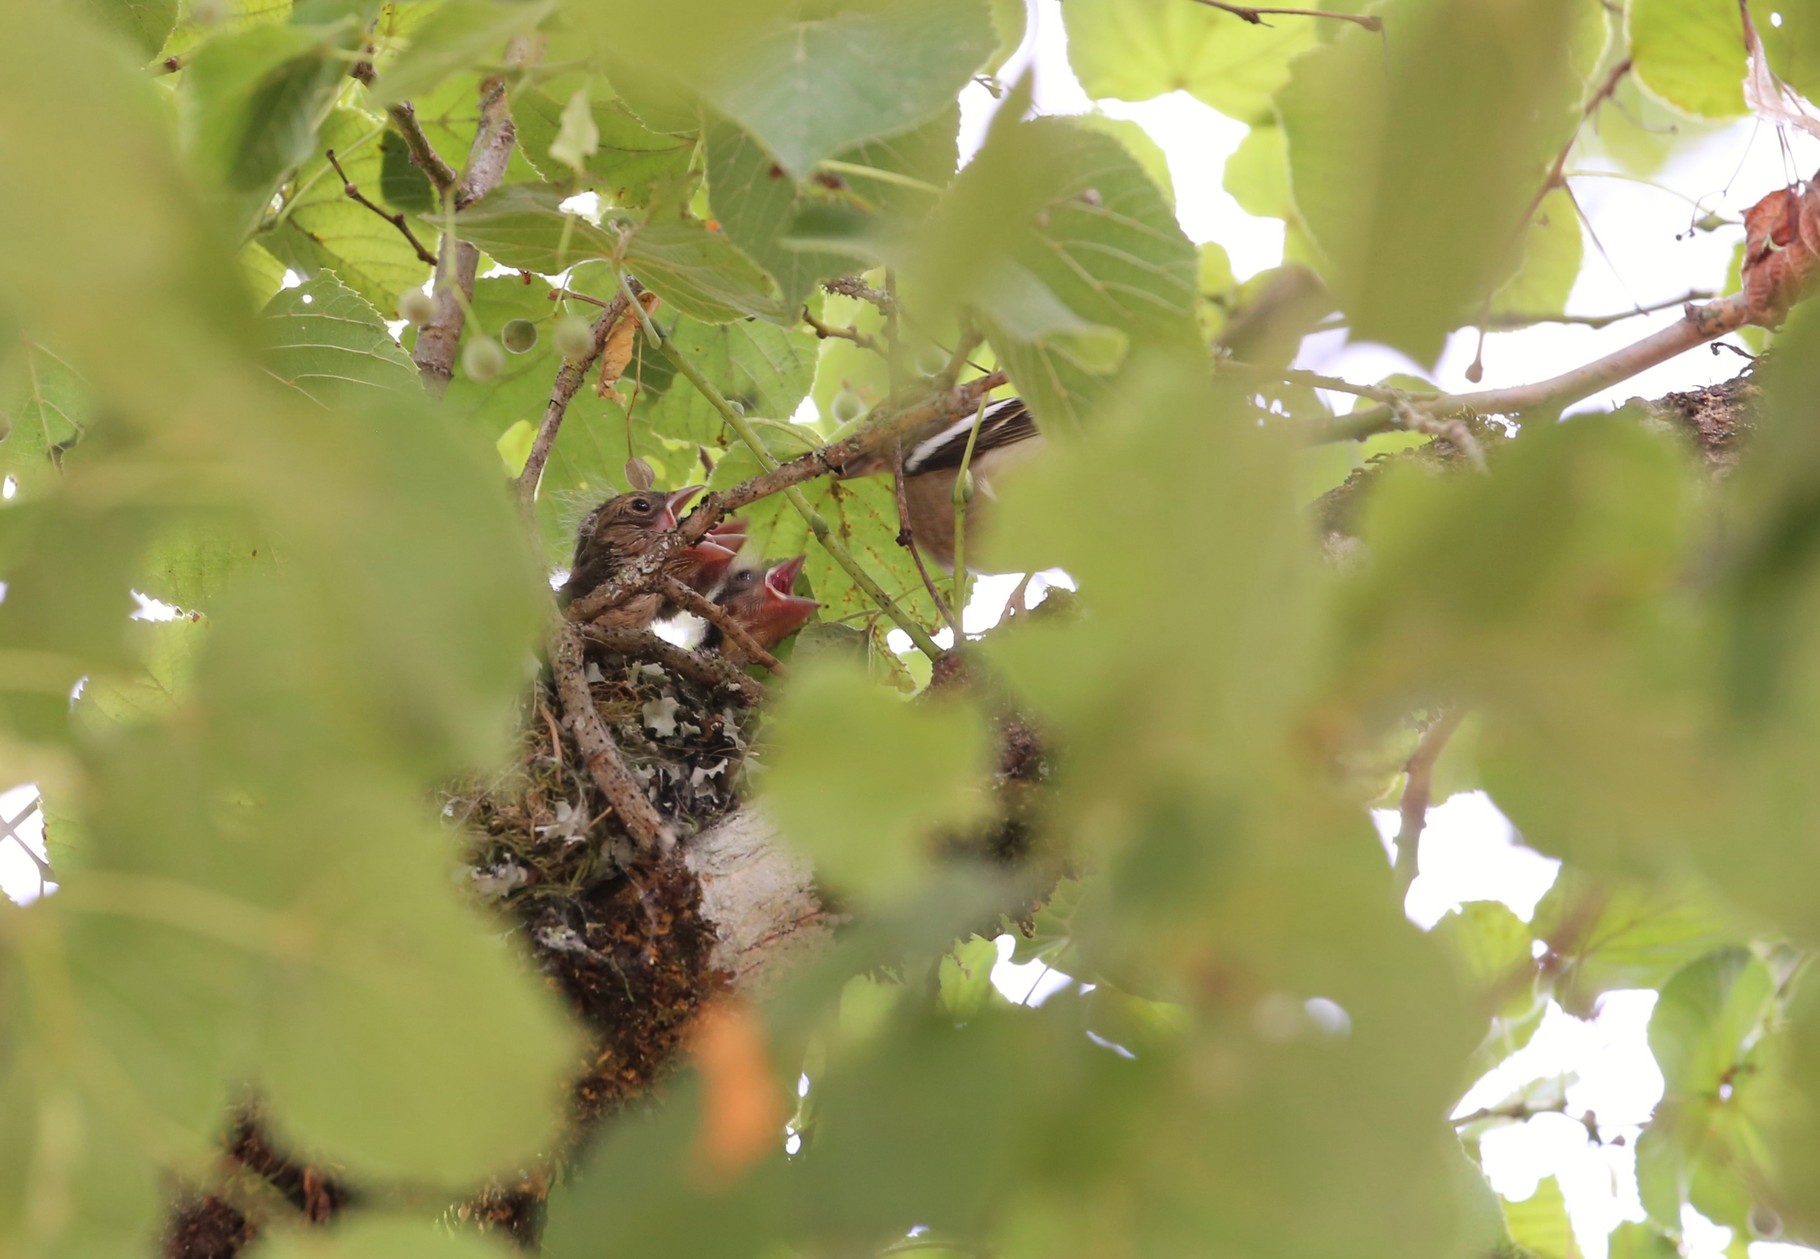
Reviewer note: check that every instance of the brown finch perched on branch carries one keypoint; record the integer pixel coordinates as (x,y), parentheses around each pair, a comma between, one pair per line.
(759,599)
(1007,437)
(619,531)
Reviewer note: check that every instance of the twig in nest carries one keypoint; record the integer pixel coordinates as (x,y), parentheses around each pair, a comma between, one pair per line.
(708,670)
(643,823)
(396,220)
(1451,429)
(716,615)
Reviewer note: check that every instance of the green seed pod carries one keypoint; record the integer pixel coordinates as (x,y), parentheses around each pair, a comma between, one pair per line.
(482,359)
(519,335)
(847,406)
(573,338)
(416,306)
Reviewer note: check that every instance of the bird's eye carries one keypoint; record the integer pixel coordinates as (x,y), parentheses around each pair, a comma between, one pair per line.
(641,504)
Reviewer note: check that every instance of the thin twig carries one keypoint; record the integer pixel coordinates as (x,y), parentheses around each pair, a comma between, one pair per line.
(396,220)
(637,814)
(1418,790)
(824,533)
(582,297)
(1700,324)
(1511,319)
(639,644)
(569,378)
(864,340)
(906,538)
(876,436)
(1256,16)
(718,617)
(1296,376)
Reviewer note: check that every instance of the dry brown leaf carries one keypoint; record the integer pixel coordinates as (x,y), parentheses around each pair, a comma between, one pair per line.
(1767,95)
(742,1112)
(617,352)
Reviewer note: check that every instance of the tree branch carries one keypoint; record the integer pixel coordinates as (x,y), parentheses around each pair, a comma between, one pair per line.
(646,827)
(438,339)
(1700,324)
(396,220)
(569,378)
(1418,790)
(422,153)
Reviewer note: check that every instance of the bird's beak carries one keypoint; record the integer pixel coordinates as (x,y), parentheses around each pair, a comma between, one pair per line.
(781,578)
(782,608)
(730,533)
(711,560)
(675,501)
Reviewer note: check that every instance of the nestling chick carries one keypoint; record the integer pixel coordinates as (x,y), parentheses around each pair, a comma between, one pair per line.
(759,599)
(615,534)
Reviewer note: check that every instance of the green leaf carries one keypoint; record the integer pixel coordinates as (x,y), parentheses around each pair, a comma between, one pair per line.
(458,33)
(965,977)
(763,369)
(252,101)
(759,206)
(1493,948)
(1602,938)
(1133,50)
(1397,185)
(150,692)
(45,410)
(327,341)
(1257,173)
(1690,54)
(630,162)
(370,1236)
(524,226)
(1539,1223)
(1552,254)
(146,23)
(698,271)
(411,1045)
(321,229)
(402,183)
(578,138)
(810,88)
(1708,1019)
(908,774)
(1051,233)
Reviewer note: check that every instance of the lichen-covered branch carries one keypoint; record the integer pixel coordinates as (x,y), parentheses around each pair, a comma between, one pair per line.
(440,338)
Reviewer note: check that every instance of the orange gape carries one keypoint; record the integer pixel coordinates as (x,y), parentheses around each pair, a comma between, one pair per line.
(759,599)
